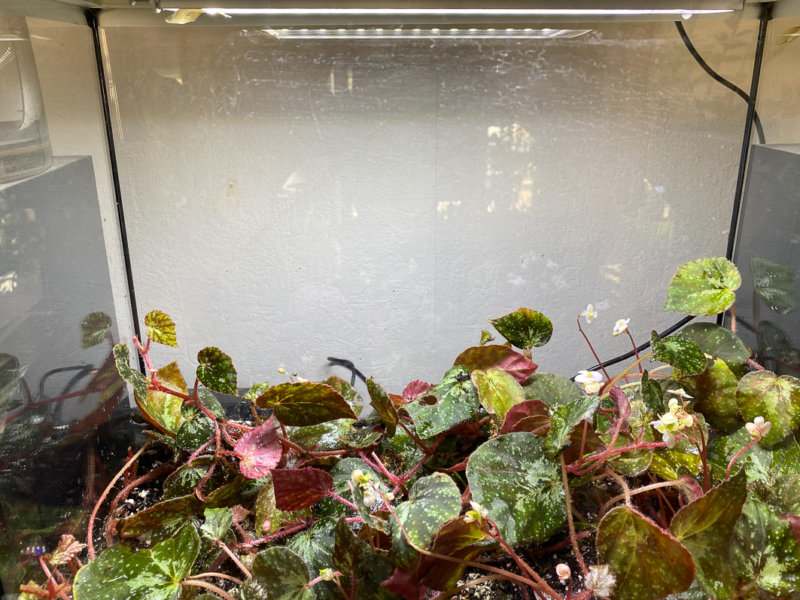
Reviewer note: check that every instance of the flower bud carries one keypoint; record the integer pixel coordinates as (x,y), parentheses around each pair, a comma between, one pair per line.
(563,571)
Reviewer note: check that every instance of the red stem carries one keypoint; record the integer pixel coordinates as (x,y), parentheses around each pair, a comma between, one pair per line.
(597,358)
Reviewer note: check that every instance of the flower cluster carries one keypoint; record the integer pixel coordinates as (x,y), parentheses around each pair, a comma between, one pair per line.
(675,420)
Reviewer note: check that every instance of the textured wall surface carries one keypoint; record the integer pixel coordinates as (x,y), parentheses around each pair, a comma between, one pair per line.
(291,200)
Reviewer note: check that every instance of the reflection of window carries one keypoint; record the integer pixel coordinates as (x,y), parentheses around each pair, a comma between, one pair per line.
(509,170)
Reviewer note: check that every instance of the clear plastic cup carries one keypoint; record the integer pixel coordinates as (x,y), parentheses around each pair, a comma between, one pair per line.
(24,141)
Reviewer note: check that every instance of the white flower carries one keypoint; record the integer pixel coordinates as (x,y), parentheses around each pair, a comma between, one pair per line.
(679,392)
(758,428)
(620,326)
(563,571)
(369,500)
(589,313)
(591,381)
(600,580)
(664,429)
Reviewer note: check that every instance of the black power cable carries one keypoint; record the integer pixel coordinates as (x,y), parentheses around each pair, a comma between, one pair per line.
(751,120)
(92,22)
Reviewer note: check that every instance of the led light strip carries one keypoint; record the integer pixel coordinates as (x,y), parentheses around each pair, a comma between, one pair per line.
(398,33)
(459,12)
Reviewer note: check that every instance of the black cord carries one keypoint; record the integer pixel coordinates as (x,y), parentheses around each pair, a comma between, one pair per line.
(719,78)
(348,364)
(751,120)
(91,21)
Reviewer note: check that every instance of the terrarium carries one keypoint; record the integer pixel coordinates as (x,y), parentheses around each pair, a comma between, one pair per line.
(345,194)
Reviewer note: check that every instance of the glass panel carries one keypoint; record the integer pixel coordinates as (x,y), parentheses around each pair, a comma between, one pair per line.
(769,232)
(291,200)
(62,404)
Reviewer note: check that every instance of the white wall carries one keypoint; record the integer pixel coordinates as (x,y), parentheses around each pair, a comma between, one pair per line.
(285,217)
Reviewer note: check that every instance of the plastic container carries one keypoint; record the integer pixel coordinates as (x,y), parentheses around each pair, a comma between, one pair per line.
(24,141)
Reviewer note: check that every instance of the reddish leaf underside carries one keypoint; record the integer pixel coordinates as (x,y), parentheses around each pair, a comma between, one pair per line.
(531,415)
(414,389)
(259,451)
(500,357)
(296,489)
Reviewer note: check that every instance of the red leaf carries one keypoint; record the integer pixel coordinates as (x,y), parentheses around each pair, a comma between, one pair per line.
(405,585)
(532,416)
(259,451)
(501,357)
(414,389)
(296,489)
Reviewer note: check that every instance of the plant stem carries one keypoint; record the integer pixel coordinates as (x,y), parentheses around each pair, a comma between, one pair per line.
(738,454)
(216,575)
(570,523)
(120,473)
(338,498)
(209,586)
(597,358)
(235,559)
(626,492)
(641,490)
(635,349)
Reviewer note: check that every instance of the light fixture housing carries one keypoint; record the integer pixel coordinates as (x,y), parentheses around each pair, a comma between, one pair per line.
(357,13)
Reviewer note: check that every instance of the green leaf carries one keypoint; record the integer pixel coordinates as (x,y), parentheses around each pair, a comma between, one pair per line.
(714,391)
(756,461)
(155,574)
(161,409)
(682,354)
(448,403)
(432,501)
(255,391)
(160,328)
(195,429)
(315,545)
(524,328)
(497,391)
(218,522)
(210,401)
(564,418)
(765,551)
(283,573)
(648,562)
(347,391)
(774,283)
(705,527)
(652,396)
(348,550)
(170,514)
(216,370)
(461,538)
(306,403)
(552,389)
(520,487)
(382,404)
(670,464)
(123,359)
(718,342)
(703,287)
(183,480)
(95,328)
(777,399)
